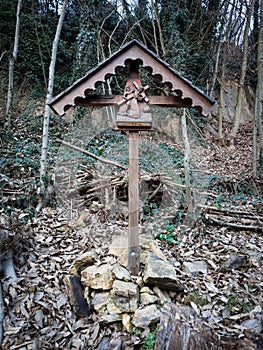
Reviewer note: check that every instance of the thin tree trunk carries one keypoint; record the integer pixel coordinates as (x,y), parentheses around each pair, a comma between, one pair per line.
(223,73)
(210,91)
(2,55)
(237,115)
(186,158)
(221,98)
(43,160)
(257,130)
(222,25)
(154,32)
(12,61)
(188,192)
(154,5)
(39,49)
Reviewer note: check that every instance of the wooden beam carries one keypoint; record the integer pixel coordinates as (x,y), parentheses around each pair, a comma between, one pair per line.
(170,101)
(133,239)
(98,100)
(165,101)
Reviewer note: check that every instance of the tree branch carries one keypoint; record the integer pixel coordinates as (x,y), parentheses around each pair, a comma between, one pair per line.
(87,153)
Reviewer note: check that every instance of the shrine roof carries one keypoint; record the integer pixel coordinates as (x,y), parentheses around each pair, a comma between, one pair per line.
(133,50)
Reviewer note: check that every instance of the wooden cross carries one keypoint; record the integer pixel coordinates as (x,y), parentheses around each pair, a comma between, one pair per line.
(133,112)
(134,115)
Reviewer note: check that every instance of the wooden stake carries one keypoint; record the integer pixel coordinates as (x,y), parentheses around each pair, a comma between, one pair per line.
(133,241)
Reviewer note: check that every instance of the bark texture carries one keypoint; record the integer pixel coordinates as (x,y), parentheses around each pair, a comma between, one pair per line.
(43,159)
(12,60)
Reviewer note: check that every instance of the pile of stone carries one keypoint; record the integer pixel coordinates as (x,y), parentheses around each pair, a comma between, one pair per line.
(115,295)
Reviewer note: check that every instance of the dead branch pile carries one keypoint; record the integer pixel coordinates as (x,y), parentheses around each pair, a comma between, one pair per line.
(237,219)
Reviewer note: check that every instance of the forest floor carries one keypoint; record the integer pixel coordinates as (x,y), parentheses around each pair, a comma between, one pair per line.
(37,311)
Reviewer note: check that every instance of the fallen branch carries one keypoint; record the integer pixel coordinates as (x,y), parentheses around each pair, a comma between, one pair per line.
(232,225)
(231,212)
(155,192)
(87,153)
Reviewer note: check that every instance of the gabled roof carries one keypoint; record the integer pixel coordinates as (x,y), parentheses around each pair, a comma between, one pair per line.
(133,50)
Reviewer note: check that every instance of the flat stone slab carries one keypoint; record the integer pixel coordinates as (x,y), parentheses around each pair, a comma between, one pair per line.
(160,273)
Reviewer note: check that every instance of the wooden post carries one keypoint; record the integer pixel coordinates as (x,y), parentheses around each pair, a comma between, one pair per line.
(133,240)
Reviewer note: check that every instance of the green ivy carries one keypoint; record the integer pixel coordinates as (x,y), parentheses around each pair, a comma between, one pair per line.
(168,235)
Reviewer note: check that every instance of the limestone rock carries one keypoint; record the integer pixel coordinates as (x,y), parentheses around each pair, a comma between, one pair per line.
(146,298)
(98,277)
(86,292)
(73,270)
(234,262)
(149,245)
(125,295)
(195,267)
(121,273)
(115,344)
(253,325)
(81,220)
(111,318)
(163,296)
(113,308)
(119,248)
(255,257)
(146,289)
(160,273)
(126,321)
(99,302)
(85,260)
(144,317)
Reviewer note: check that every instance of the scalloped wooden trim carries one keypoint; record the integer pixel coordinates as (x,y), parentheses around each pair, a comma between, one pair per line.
(131,51)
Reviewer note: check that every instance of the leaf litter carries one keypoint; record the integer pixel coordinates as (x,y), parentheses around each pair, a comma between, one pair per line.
(229,295)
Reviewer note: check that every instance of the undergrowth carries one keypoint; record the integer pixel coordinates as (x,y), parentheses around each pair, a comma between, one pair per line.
(19,162)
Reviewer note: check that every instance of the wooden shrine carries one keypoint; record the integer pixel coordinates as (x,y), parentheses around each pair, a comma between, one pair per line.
(133,111)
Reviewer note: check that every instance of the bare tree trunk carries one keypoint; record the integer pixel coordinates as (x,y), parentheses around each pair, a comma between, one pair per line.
(210,91)
(43,160)
(154,31)
(188,192)
(186,158)
(221,99)
(155,8)
(236,120)
(223,73)
(12,61)
(222,25)
(257,130)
